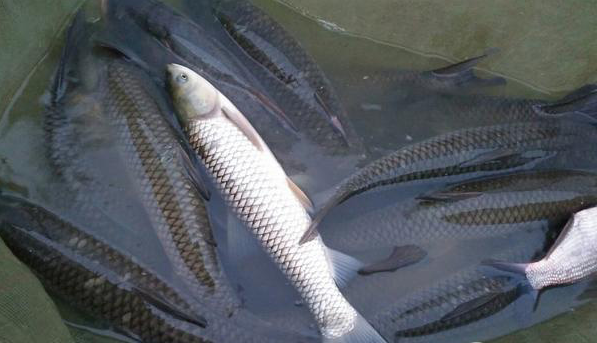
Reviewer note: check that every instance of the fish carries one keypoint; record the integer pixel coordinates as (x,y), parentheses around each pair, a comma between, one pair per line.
(262,196)
(168,181)
(464,154)
(154,169)
(307,108)
(464,298)
(406,86)
(287,69)
(93,181)
(114,286)
(569,260)
(473,209)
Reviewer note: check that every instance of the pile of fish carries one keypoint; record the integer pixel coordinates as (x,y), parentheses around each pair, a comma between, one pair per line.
(174,137)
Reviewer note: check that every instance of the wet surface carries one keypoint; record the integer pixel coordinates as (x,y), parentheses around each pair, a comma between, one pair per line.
(387,112)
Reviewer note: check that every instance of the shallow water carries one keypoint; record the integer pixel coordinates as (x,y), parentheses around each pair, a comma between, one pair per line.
(347,51)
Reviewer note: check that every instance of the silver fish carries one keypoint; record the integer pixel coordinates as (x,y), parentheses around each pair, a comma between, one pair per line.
(257,189)
(572,257)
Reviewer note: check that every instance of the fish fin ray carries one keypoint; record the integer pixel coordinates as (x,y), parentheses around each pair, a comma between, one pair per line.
(312,232)
(448,196)
(469,306)
(462,72)
(193,173)
(528,300)
(400,257)
(344,267)
(300,195)
(582,101)
(76,32)
(362,332)
(494,155)
(169,308)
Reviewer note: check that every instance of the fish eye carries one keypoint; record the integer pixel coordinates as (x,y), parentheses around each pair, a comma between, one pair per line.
(182,78)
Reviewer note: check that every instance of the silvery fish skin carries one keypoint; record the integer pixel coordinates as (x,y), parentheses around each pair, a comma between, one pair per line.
(465,154)
(257,189)
(114,286)
(488,207)
(164,175)
(457,300)
(570,259)
(208,47)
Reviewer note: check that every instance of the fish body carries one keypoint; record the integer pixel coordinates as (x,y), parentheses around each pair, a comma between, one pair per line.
(167,183)
(114,286)
(308,105)
(488,207)
(257,189)
(464,298)
(570,259)
(464,154)
(292,76)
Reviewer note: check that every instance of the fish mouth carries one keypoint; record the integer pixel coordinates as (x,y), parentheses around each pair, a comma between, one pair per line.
(172,68)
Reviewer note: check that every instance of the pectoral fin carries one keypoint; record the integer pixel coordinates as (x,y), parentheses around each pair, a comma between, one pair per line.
(493,156)
(401,257)
(448,196)
(171,309)
(582,101)
(193,174)
(462,72)
(470,306)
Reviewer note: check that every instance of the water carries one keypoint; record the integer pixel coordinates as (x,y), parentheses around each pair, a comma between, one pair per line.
(347,51)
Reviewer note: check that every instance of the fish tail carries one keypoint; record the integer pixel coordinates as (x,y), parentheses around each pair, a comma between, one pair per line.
(75,35)
(529,296)
(581,102)
(362,332)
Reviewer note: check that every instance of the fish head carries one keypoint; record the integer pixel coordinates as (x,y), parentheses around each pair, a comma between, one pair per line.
(193,96)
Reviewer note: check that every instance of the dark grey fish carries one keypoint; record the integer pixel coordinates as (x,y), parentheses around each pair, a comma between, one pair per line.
(146,156)
(80,143)
(287,70)
(114,286)
(465,298)
(167,182)
(570,259)
(209,48)
(411,85)
(490,207)
(465,154)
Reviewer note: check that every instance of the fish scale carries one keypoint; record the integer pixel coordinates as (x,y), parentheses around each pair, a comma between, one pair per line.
(505,204)
(114,286)
(469,152)
(262,200)
(174,205)
(572,257)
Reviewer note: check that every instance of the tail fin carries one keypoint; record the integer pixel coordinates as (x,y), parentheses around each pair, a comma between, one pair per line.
(362,332)
(582,101)
(75,36)
(517,272)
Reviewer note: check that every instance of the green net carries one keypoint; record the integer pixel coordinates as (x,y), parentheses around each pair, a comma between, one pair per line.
(27,314)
